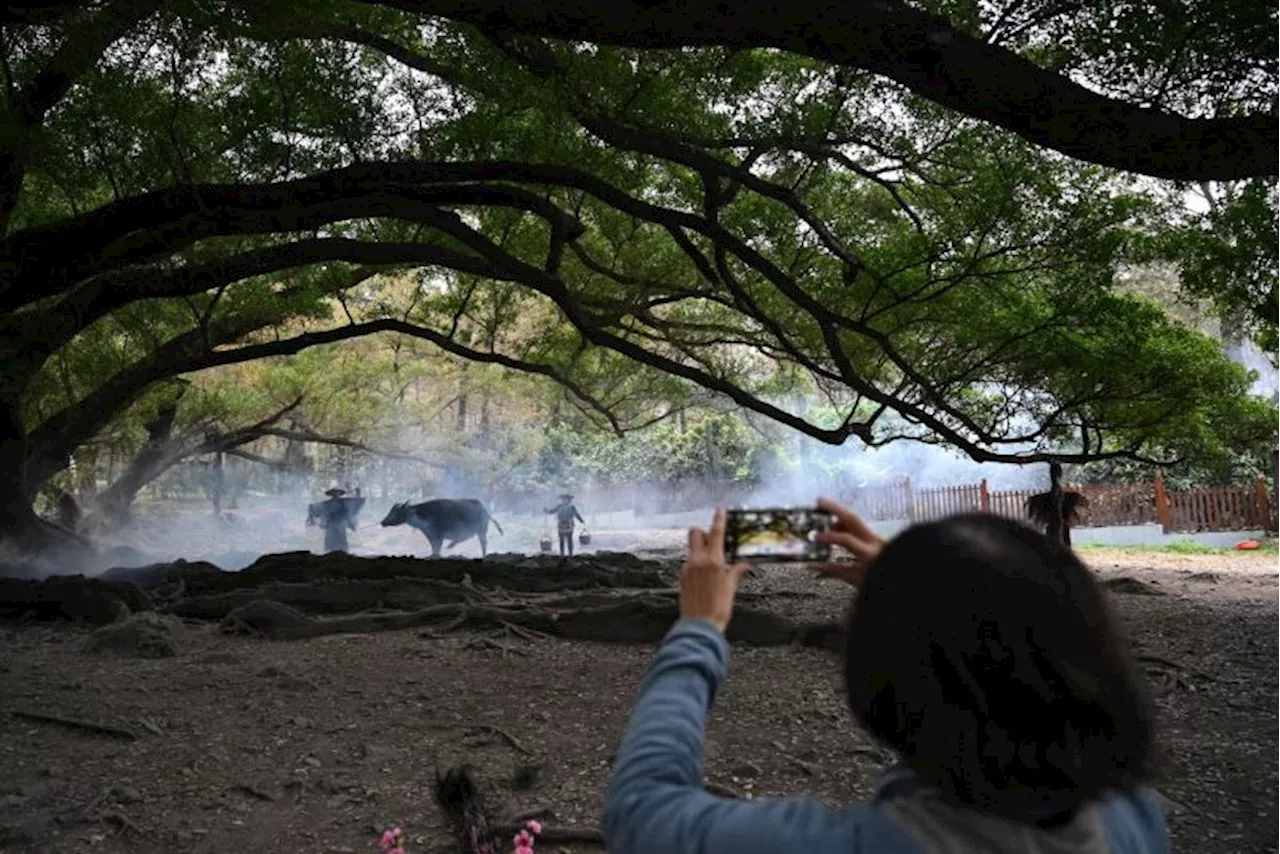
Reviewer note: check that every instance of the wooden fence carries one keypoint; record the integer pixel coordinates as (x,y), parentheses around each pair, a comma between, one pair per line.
(1214,508)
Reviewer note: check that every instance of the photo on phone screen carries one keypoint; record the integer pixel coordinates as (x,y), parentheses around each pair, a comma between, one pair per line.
(777,535)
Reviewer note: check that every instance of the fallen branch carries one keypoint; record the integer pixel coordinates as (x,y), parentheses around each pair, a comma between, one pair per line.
(83,726)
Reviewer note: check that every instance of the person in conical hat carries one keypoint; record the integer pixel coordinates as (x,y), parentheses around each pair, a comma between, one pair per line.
(565,514)
(337,515)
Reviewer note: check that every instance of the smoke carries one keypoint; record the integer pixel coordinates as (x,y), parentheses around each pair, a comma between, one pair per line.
(263,509)
(822,469)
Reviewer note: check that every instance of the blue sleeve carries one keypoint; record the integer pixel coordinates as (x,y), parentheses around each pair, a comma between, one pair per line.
(656,804)
(1135,822)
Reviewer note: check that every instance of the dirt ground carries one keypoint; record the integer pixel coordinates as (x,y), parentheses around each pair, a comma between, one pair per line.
(249,745)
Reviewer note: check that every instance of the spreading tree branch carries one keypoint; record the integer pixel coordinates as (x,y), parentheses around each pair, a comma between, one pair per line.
(923,52)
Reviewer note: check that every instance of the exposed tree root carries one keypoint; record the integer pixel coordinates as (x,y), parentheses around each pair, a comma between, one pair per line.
(633,619)
(612,598)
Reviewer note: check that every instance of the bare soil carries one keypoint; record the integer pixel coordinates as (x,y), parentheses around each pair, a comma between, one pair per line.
(252,745)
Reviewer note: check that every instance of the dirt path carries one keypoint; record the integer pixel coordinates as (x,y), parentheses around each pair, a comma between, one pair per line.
(247,745)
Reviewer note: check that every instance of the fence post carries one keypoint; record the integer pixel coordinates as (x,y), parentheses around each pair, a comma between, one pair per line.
(1264,504)
(911,501)
(1162,504)
(1274,521)
(984,497)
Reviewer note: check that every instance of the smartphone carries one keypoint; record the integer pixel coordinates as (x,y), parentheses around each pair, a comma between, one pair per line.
(777,535)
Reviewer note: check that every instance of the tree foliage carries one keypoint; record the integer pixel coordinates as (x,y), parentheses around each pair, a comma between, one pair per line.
(643,216)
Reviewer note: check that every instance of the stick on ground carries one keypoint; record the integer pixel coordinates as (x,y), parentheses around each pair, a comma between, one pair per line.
(83,726)
(506,736)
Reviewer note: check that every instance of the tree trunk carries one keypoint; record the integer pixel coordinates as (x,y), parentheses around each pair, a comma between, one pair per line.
(1056,529)
(464,386)
(217,482)
(22,532)
(20,527)
(158,455)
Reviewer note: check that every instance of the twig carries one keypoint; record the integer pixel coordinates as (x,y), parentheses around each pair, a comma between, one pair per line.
(84,726)
(1160,662)
(526,633)
(436,633)
(126,824)
(722,790)
(508,737)
(555,834)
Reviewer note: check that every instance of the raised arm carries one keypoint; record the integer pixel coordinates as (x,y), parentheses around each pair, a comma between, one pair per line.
(655,803)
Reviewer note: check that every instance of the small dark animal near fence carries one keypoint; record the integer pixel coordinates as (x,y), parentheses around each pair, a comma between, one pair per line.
(1212,508)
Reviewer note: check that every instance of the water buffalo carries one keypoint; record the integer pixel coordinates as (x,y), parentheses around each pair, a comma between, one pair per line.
(445,518)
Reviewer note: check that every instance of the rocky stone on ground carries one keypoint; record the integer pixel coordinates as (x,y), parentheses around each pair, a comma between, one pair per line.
(143,635)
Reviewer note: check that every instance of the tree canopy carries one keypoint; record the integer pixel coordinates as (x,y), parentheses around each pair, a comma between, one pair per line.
(912,212)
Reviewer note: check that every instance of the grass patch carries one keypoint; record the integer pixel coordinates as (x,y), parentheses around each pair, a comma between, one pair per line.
(1183,547)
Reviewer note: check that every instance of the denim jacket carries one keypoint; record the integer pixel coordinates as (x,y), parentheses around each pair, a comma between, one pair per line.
(656,804)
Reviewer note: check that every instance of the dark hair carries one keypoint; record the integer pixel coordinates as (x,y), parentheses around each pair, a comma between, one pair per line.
(985,655)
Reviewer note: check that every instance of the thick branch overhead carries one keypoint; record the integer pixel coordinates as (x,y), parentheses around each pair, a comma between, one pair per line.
(923,52)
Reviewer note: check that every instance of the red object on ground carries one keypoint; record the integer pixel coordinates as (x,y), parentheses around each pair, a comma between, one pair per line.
(1248,545)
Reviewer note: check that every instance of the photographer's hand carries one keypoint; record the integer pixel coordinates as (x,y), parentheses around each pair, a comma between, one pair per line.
(852,534)
(707,584)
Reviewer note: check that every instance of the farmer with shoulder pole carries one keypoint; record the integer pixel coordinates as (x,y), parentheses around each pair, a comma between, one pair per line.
(565,514)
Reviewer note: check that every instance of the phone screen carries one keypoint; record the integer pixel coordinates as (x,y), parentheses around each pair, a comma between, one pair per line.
(777,535)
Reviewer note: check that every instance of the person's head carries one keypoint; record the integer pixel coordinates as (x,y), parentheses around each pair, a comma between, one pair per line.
(985,655)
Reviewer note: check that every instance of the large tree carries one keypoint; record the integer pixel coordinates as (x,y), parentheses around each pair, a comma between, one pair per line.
(1008,63)
(833,203)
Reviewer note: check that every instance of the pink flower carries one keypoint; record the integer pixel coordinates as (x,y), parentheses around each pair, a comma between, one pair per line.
(396,850)
(523,839)
(523,849)
(391,839)
(535,827)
